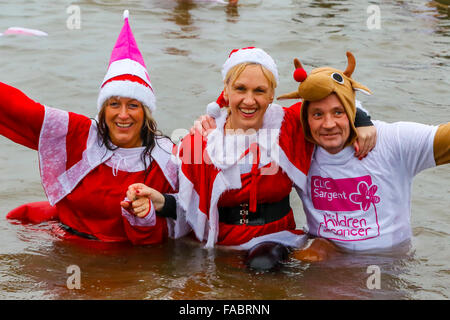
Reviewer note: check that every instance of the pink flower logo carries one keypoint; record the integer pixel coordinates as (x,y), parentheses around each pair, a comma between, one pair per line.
(366,196)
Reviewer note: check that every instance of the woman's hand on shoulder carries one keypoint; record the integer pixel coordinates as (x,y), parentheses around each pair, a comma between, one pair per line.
(203,125)
(366,141)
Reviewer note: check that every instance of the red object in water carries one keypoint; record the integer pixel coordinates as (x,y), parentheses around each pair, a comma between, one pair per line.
(35,212)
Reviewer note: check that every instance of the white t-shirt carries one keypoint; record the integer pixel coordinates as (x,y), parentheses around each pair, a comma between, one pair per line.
(366,204)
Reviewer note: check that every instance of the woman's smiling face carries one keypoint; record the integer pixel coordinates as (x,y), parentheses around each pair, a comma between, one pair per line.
(248,98)
(124,118)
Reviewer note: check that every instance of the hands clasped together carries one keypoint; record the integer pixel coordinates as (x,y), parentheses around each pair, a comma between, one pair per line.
(140,198)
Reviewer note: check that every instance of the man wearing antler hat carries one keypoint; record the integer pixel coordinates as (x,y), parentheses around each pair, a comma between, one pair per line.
(360,205)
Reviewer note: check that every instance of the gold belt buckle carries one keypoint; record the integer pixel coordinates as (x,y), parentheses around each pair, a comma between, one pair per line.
(243,212)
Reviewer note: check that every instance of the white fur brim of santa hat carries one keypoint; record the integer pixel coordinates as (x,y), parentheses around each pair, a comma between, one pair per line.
(127,89)
(250,54)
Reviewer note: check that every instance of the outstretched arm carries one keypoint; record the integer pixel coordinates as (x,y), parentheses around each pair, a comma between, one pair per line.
(20,117)
(441,144)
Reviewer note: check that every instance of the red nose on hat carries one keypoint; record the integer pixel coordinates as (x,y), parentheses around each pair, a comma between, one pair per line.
(300,75)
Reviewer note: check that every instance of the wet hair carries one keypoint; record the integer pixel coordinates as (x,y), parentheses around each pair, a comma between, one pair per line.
(149,134)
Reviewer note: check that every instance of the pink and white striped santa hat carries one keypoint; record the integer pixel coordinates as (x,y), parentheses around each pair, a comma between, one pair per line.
(238,56)
(127,74)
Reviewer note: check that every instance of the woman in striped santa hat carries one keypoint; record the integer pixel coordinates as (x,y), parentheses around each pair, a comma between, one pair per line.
(86,165)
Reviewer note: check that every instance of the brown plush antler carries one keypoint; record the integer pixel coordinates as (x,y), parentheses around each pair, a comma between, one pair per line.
(351,64)
(297,64)
(292,95)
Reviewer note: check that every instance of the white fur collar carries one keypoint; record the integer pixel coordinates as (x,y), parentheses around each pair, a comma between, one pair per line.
(226,150)
(59,181)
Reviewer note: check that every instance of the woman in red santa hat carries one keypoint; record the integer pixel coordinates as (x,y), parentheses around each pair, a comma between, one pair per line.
(86,165)
(235,184)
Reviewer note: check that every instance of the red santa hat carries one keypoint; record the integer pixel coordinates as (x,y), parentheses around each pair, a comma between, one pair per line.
(127,74)
(238,56)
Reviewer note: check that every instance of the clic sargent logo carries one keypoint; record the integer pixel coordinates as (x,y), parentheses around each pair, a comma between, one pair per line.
(349,207)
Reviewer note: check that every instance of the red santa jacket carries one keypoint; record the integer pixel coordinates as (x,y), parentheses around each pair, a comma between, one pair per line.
(210,176)
(83,180)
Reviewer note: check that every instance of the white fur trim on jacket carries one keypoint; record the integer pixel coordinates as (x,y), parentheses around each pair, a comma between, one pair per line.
(188,205)
(225,154)
(59,181)
(229,176)
(52,153)
(179,227)
(267,138)
(285,237)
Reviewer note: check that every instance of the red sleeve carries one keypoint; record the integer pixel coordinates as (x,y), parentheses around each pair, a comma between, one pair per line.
(298,150)
(20,117)
(197,167)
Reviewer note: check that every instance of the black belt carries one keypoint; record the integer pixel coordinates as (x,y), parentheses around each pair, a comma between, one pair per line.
(265,213)
(78,233)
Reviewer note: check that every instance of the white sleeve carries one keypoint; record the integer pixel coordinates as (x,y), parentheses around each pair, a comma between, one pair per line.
(413,143)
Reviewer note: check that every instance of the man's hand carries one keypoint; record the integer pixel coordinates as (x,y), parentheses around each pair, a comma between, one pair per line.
(319,250)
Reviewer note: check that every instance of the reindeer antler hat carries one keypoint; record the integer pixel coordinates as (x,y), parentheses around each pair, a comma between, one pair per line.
(322,82)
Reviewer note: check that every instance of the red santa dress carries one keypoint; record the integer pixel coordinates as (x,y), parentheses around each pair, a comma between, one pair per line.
(83,180)
(252,170)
